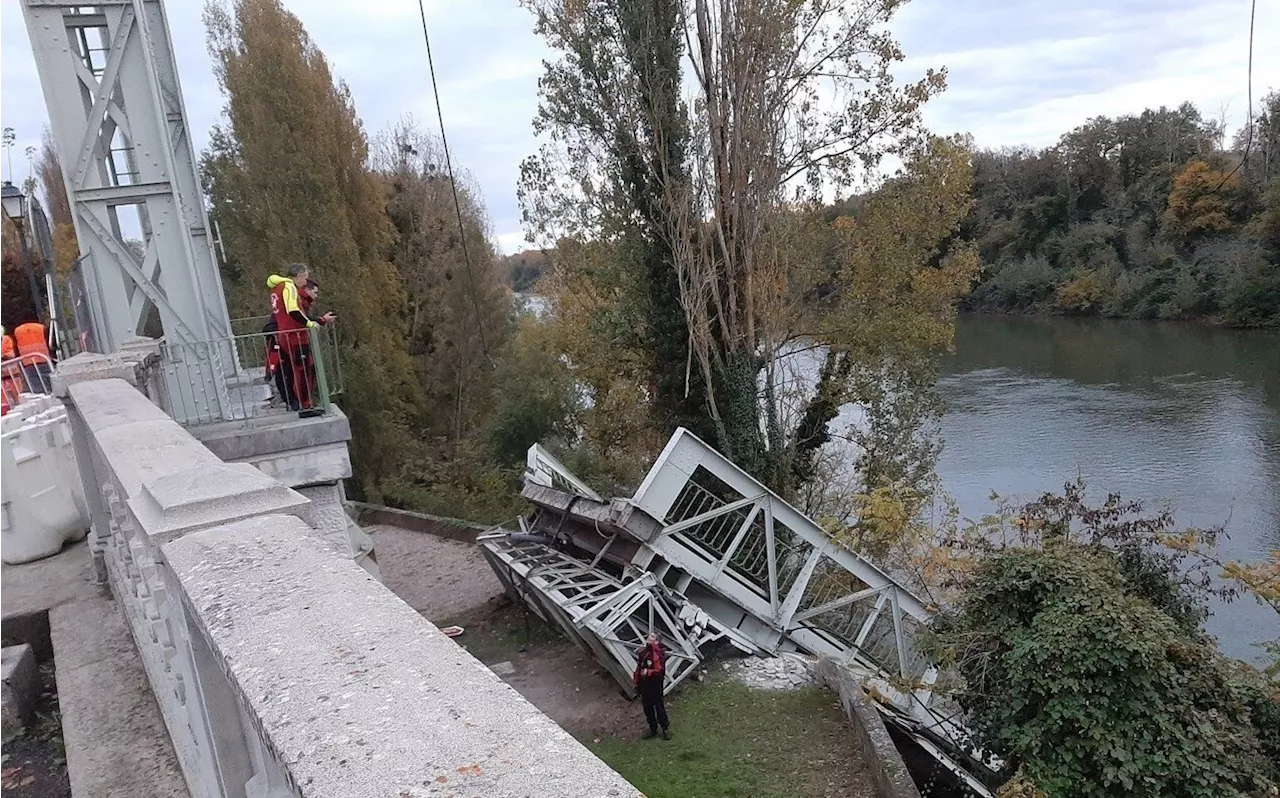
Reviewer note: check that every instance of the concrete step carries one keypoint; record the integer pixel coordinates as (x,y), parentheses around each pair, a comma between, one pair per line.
(117,745)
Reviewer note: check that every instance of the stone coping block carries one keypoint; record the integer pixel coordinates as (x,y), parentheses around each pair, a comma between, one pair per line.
(208,495)
(885,763)
(21,687)
(92,367)
(110,402)
(355,693)
(268,435)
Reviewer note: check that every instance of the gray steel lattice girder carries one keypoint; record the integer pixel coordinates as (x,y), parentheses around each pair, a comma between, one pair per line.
(116,112)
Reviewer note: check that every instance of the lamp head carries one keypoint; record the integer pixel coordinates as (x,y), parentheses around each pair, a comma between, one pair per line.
(15,203)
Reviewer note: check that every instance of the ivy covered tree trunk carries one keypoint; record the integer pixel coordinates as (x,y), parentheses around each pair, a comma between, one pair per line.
(706,207)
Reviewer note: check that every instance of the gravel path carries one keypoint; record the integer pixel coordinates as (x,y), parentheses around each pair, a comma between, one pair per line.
(440,578)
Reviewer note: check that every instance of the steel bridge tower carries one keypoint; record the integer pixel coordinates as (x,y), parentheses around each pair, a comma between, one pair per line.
(116,112)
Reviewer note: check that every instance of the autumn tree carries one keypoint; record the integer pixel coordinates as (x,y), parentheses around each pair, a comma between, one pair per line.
(62,226)
(459,307)
(594,317)
(793,100)
(1201,203)
(289,182)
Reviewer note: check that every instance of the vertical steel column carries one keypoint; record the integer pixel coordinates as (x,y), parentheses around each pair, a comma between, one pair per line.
(116,112)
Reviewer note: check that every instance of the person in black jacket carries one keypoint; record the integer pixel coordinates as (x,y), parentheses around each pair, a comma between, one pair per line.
(650,678)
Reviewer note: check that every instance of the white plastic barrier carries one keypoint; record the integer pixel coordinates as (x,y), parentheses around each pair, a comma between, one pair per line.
(43,499)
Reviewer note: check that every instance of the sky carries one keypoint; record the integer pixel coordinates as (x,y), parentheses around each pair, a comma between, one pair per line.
(1021,72)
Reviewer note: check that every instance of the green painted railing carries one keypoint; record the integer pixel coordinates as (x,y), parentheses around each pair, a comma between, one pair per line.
(232,379)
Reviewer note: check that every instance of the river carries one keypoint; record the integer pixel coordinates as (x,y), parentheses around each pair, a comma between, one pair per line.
(1186,415)
(1162,412)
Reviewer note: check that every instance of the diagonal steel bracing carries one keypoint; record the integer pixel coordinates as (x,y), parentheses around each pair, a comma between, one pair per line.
(115,109)
(704,535)
(607,617)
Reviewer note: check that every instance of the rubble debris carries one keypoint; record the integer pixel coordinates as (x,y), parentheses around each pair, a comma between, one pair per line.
(787,672)
(504,668)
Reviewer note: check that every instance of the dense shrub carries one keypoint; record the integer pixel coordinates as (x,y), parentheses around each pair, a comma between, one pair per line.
(1094,691)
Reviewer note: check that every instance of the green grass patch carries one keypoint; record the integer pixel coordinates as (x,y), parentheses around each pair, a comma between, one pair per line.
(733,742)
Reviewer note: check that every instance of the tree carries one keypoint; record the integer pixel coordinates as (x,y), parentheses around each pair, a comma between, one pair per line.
(289,182)
(1140,216)
(49,170)
(459,306)
(545,409)
(18,306)
(619,137)
(711,204)
(1201,203)
(900,271)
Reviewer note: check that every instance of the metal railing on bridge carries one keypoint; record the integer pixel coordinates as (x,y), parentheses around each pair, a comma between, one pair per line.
(30,373)
(251,374)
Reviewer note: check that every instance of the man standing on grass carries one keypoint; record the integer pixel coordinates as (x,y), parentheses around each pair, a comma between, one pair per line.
(650,678)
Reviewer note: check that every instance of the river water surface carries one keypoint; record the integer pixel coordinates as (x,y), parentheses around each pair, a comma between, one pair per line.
(1162,412)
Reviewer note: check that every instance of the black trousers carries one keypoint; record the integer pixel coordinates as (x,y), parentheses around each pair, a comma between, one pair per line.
(655,709)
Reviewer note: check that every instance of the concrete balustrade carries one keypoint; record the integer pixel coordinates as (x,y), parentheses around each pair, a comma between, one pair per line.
(281,667)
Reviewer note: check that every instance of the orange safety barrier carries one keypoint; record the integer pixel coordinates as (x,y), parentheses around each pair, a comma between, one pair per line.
(30,338)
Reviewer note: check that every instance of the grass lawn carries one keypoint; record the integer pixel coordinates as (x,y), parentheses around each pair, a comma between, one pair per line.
(733,742)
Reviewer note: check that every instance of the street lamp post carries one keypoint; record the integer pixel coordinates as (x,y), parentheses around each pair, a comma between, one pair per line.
(15,207)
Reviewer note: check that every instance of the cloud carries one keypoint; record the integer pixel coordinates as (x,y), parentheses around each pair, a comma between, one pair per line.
(1021,71)
(1026,71)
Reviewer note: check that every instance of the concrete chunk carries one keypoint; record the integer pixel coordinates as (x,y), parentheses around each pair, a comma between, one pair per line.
(21,687)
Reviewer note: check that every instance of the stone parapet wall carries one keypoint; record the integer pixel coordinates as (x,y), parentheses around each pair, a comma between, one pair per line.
(280,666)
(888,770)
(353,689)
(148,482)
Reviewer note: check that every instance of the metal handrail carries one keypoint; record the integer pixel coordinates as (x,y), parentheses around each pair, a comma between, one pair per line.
(249,375)
(329,350)
(30,373)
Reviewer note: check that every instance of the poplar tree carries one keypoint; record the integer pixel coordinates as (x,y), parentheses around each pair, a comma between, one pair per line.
(459,308)
(288,177)
(705,207)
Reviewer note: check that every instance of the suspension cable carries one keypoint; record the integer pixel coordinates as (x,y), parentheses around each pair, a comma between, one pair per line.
(1248,141)
(453,184)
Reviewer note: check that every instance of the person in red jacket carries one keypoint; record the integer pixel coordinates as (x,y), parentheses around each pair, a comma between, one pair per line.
(279,370)
(650,678)
(292,335)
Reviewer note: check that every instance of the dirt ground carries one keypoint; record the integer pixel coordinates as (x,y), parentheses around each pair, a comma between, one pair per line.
(552,673)
(575,692)
(34,763)
(449,582)
(440,578)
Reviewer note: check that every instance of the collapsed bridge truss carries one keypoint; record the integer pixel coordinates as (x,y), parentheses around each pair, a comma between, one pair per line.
(704,553)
